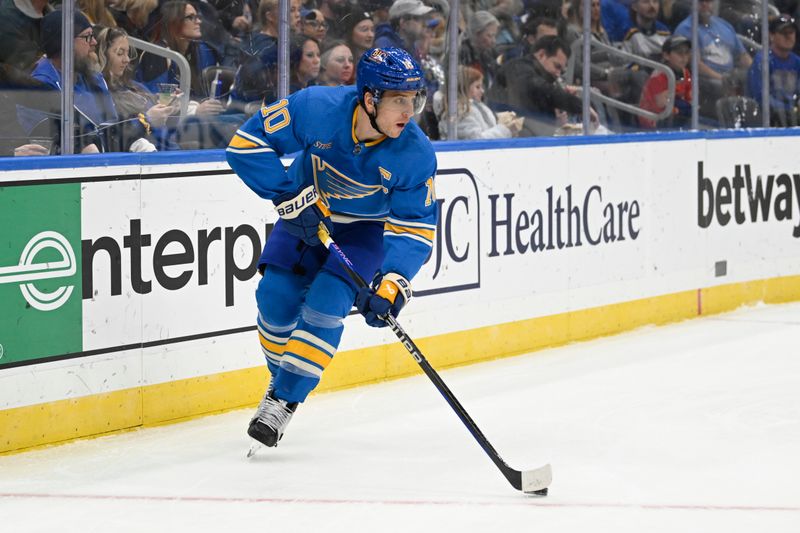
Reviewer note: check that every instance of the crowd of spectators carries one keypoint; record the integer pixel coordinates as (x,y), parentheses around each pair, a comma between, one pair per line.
(512,79)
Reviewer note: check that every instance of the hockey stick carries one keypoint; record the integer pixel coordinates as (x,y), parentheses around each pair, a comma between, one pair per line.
(529,481)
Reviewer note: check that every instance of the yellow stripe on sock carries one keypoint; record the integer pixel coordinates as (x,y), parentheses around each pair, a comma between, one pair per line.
(306,351)
(272,347)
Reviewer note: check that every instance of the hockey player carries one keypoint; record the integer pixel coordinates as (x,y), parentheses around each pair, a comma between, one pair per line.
(365,171)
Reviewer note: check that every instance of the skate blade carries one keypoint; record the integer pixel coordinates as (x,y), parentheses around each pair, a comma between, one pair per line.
(254,447)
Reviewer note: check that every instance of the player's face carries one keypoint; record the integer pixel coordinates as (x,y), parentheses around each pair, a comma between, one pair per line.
(395,110)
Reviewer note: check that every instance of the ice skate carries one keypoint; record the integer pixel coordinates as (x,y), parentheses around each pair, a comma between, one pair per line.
(270,420)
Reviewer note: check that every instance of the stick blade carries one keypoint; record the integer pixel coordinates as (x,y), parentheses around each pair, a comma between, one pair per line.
(536,481)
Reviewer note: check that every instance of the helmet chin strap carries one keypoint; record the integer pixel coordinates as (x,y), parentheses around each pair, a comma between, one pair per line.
(373,117)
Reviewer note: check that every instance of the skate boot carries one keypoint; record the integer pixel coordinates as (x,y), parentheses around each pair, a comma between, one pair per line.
(271,419)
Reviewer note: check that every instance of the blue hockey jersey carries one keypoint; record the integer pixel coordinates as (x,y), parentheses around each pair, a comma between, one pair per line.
(389,180)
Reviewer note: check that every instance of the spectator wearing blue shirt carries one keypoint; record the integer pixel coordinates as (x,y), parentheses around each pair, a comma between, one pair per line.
(92,99)
(784,73)
(615,18)
(720,48)
(723,60)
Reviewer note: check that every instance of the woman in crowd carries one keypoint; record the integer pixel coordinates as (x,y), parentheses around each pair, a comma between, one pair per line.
(474,118)
(359,33)
(604,71)
(304,62)
(314,25)
(478,50)
(180,30)
(336,65)
(132,99)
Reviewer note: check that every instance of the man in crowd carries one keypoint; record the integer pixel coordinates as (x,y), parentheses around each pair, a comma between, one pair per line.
(406,25)
(531,86)
(92,98)
(723,58)
(647,35)
(784,73)
(96,117)
(532,30)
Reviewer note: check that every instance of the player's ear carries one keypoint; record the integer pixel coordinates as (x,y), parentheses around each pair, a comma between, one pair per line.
(369,102)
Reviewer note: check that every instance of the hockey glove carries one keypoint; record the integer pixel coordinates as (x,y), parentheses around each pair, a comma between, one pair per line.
(388,294)
(302,211)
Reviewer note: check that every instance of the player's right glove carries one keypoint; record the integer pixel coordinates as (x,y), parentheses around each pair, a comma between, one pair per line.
(389,294)
(302,211)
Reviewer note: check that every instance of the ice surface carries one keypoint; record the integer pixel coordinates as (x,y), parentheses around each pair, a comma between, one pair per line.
(688,427)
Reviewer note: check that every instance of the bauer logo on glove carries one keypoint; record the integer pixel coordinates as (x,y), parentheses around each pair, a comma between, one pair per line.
(302,211)
(294,206)
(388,295)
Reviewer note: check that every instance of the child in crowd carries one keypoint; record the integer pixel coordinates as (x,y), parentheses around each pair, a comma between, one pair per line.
(677,50)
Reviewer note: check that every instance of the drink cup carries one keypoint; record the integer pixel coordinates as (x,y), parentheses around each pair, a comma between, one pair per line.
(167,93)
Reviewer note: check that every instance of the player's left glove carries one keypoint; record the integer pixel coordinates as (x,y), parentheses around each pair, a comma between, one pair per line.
(302,211)
(388,294)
